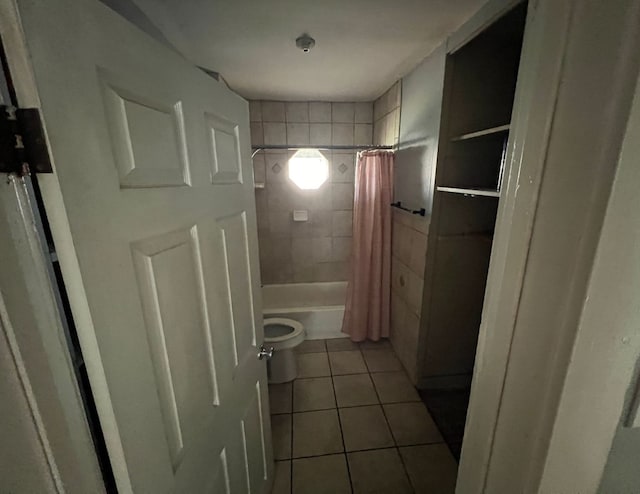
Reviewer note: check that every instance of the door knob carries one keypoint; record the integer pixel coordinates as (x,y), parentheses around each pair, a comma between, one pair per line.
(265,353)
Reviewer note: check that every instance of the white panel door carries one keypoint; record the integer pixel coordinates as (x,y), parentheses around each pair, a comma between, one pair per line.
(153,214)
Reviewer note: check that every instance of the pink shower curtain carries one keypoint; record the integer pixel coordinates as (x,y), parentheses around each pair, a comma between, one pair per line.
(367,311)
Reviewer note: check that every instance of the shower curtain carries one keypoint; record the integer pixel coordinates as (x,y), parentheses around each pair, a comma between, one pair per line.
(367,310)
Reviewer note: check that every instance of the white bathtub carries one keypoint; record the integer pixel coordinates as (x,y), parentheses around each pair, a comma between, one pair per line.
(318,306)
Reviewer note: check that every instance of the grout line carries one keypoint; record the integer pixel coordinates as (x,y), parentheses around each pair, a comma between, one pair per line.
(348,406)
(291,454)
(344,453)
(344,447)
(362,450)
(404,467)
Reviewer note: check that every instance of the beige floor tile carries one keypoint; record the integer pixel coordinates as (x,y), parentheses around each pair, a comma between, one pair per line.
(347,362)
(281,432)
(282,478)
(354,390)
(431,468)
(411,424)
(316,433)
(313,365)
(315,393)
(394,387)
(311,346)
(341,345)
(365,428)
(382,344)
(379,471)
(321,475)
(280,398)
(381,360)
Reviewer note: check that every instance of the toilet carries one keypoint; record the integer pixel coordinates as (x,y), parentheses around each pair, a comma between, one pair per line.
(283,335)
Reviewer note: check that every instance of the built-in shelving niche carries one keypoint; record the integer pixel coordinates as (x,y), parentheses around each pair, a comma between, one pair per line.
(479,89)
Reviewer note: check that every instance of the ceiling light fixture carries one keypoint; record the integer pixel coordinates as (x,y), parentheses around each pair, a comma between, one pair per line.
(305,43)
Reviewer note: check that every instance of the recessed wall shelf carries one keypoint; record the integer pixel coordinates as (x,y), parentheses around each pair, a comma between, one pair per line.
(479,87)
(480,133)
(470,192)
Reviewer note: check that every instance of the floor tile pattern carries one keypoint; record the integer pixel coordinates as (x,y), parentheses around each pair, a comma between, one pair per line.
(353,423)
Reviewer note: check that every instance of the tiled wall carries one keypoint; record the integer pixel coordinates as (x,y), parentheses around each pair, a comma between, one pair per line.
(408,251)
(386,116)
(318,249)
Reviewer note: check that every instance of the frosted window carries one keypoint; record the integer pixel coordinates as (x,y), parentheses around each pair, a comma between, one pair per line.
(308,169)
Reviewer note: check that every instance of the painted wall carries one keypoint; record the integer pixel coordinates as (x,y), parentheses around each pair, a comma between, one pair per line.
(620,235)
(318,249)
(419,128)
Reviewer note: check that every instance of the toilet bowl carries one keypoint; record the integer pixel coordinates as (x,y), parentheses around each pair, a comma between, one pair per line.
(283,335)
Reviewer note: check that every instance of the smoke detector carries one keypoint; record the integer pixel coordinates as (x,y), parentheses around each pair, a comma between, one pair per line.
(305,43)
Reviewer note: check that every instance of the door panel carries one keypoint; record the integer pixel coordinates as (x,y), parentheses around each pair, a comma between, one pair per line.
(233,232)
(147,133)
(253,435)
(225,150)
(152,205)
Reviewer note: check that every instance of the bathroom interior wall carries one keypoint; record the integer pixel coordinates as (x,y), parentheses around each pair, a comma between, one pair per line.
(386,116)
(318,249)
(408,249)
(422,92)
(408,116)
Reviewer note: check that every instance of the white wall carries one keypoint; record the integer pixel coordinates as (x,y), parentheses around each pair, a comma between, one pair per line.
(620,290)
(419,128)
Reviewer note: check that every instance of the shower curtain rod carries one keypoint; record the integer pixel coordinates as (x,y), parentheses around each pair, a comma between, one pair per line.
(257,149)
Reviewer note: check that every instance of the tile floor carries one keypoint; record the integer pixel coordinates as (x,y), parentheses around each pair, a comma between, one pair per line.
(353,423)
(448,407)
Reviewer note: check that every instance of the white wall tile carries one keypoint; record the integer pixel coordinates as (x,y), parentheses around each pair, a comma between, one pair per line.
(275,133)
(255,111)
(414,292)
(342,112)
(340,174)
(322,249)
(390,129)
(341,248)
(259,173)
(278,197)
(364,113)
(320,134)
(297,112)
(257,136)
(363,134)
(395,94)
(276,168)
(319,112)
(342,223)
(418,253)
(378,110)
(302,251)
(280,224)
(342,134)
(298,134)
(342,196)
(273,111)
(378,132)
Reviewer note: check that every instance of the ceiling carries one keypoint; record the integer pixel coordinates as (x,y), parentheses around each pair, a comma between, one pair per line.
(362,46)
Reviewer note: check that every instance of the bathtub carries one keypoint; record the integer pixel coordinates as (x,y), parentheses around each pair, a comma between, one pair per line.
(318,306)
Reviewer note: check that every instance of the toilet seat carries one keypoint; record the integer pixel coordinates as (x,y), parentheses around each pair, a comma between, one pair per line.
(289,340)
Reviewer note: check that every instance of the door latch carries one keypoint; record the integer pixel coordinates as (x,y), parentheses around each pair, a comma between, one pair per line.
(265,353)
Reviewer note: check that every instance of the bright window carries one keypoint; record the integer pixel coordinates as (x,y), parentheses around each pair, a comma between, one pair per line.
(308,169)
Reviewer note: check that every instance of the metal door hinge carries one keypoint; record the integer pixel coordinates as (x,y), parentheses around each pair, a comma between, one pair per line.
(23,147)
